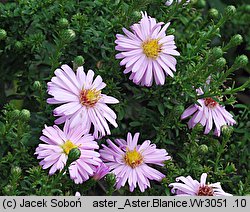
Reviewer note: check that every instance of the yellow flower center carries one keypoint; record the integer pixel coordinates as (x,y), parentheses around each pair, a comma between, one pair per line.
(151,48)
(67,146)
(89,97)
(133,158)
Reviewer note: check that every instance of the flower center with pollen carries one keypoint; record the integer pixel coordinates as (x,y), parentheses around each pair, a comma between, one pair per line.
(209,102)
(151,48)
(89,97)
(205,191)
(67,146)
(133,158)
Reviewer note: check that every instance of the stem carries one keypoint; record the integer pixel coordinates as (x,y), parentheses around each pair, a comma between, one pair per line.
(221,150)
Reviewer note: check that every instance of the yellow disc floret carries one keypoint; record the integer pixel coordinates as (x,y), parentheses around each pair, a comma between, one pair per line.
(67,146)
(151,48)
(89,97)
(133,158)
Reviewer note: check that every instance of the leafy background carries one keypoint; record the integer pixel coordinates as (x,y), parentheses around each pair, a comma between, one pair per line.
(42,35)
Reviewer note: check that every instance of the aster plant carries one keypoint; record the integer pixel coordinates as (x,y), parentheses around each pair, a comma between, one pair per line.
(130,161)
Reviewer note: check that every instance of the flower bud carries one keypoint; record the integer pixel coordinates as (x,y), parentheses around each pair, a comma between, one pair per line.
(16,171)
(226,130)
(73,155)
(230,11)
(213,13)
(18,45)
(25,115)
(203,148)
(15,114)
(63,22)
(201,3)
(221,62)
(78,61)
(136,14)
(241,60)
(37,85)
(171,31)
(69,35)
(198,127)
(217,52)
(3,34)
(111,179)
(236,40)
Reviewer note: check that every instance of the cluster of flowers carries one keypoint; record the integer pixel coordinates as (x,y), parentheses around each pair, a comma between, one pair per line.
(147,53)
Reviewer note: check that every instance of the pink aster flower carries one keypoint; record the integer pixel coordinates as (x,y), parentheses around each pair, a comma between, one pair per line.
(101,171)
(147,51)
(58,143)
(82,100)
(186,186)
(208,112)
(129,161)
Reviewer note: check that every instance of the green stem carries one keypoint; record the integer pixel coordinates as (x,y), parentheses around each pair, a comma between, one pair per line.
(221,150)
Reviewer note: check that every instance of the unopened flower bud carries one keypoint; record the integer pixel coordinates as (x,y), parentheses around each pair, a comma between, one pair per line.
(217,52)
(198,127)
(201,3)
(241,60)
(79,61)
(230,11)
(16,170)
(213,13)
(171,31)
(136,14)
(3,34)
(37,85)
(221,62)
(203,148)
(18,45)
(111,179)
(69,35)
(63,22)
(236,40)
(226,130)
(73,155)
(25,115)
(15,114)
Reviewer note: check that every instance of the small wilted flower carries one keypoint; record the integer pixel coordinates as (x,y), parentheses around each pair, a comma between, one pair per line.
(82,100)
(186,186)
(147,51)
(208,112)
(55,152)
(129,161)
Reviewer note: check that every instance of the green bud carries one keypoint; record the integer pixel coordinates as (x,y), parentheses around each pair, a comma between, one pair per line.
(69,35)
(18,45)
(136,14)
(213,13)
(221,62)
(15,114)
(230,168)
(236,40)
(203,148)
(79,61)
(230,11)
(111,179)
(16,170)
(201,3)
(73,155)
(241,61)
(171,31)
(37,85)
(25,115)
(3,34)
(8,189)
(63,23)
(226,130)
(217,52)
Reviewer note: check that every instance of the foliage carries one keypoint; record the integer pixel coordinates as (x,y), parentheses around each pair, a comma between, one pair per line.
(38,36)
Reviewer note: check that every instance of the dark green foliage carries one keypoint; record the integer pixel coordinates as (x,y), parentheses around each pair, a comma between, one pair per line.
(37,36)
